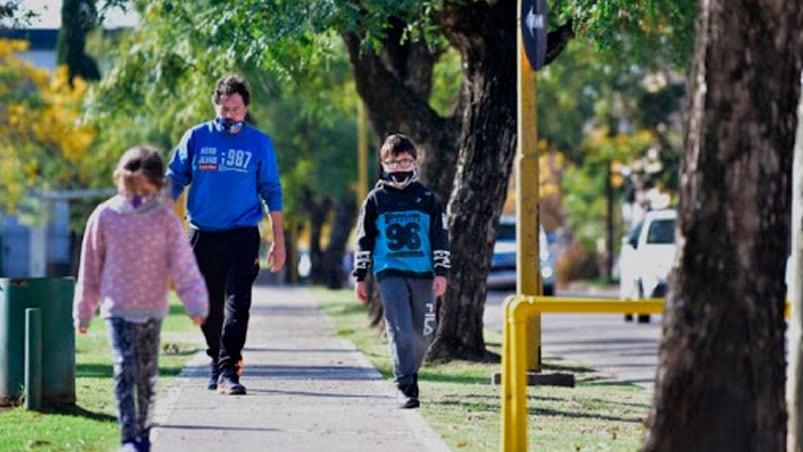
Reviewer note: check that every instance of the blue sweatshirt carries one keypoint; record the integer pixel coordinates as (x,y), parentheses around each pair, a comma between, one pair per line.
(402,232)
(228,173)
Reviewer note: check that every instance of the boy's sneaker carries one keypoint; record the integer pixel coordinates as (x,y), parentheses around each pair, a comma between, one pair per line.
(144,444)
(408,396)
(214,375)
(229,383)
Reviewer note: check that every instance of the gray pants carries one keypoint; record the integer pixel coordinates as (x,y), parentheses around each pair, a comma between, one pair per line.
(404,301)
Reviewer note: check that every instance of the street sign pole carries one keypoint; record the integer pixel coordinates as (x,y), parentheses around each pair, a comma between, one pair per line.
(531,44)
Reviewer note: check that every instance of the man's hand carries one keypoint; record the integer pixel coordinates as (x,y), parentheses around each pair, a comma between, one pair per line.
(277,253)
(197,319)
(439,286)
(276,257)
(361,290)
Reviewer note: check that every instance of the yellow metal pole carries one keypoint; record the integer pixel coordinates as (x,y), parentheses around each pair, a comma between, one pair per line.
(518,372)
(528,272)
(507,378)
(362,154)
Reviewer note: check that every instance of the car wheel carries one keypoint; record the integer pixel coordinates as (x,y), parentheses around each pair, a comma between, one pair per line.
(642,318)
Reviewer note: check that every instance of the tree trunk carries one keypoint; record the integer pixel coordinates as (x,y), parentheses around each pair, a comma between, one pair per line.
(720,383)
(395,84)
(339,236)
(77,18)
(318,211)
(468,154)
(485,36)
(794,373)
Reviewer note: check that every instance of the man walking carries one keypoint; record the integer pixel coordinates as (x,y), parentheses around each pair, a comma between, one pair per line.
(232,171)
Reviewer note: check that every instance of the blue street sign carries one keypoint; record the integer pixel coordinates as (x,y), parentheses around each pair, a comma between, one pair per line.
(533,31)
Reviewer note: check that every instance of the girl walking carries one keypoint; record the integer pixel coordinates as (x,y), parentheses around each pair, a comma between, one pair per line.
(132,244)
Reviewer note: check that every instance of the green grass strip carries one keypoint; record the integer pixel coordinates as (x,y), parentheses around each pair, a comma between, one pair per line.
(91,425)
(463,407)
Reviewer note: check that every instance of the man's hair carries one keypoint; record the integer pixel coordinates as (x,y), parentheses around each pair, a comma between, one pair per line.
(140,161)
(395,144)
(231,84)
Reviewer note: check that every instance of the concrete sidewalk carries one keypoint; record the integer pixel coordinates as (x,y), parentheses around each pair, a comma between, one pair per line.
(308,390)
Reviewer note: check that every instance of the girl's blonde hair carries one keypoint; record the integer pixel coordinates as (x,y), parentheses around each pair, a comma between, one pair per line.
(138,163)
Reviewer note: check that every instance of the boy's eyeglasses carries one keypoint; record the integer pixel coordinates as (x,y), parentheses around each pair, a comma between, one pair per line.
(403,163)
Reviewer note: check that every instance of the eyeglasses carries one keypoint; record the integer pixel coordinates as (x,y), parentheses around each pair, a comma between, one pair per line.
(403,163)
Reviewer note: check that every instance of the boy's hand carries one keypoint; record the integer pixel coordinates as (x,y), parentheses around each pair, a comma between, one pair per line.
(197,320)
(362,291)
(82,329)
(439,286)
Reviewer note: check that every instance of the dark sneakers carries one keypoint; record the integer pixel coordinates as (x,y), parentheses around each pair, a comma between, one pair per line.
(406,400)
(408,395)
(229,383)
(214,374)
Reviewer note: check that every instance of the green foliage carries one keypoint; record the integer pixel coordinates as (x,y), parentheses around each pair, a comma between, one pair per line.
(446,82)
(311,116)
(161,82)
(12,17)
(650,32)
(599,111)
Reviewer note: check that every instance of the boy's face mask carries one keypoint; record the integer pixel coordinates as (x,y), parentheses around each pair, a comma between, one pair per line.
(401,179)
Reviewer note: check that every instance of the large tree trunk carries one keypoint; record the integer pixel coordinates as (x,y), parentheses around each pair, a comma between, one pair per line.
(720,382)
(485,35)
(468,156)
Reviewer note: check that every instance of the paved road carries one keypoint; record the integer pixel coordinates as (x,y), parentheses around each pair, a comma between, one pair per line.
(620,351)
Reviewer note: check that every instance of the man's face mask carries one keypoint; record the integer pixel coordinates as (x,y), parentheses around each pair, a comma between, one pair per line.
(228,125)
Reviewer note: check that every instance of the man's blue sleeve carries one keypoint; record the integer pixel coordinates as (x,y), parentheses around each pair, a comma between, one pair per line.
(268,183)
(179,170)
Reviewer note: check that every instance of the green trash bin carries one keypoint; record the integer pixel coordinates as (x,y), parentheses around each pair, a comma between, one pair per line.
(53,297)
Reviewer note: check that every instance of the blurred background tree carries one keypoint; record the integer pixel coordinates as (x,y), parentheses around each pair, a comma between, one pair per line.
(43,143)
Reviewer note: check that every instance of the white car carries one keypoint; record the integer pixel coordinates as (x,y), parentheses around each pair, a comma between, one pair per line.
(646,257)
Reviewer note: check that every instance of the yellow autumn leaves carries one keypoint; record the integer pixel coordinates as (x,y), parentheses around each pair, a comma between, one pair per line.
(42,138)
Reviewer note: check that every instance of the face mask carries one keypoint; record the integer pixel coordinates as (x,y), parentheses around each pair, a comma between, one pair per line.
(401,179)
(228,125)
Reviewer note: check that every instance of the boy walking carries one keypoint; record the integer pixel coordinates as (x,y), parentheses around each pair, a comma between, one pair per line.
(402,236)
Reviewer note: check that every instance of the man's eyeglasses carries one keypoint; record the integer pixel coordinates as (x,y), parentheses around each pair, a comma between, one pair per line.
(403,163)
